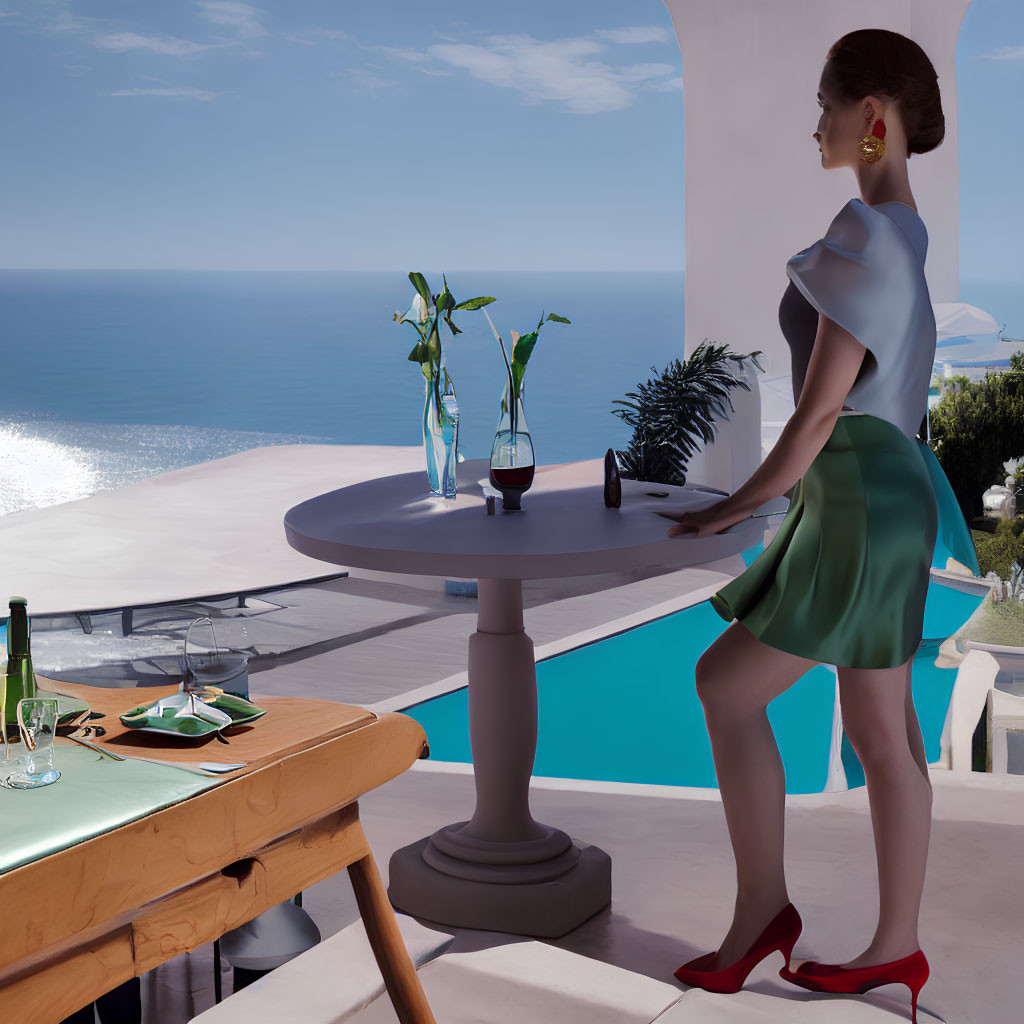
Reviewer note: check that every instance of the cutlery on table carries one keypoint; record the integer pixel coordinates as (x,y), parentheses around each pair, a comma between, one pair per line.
(92,746)
(201,767)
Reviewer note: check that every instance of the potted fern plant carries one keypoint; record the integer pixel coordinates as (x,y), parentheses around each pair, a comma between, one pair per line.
(673,413)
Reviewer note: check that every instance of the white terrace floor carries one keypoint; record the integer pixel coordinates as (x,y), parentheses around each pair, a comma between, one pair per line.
(673,880)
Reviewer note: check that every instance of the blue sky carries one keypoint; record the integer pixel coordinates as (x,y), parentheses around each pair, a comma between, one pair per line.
(384,134)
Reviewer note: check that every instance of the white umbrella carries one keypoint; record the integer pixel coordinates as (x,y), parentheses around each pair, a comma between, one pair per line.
(969,352)
(953,319)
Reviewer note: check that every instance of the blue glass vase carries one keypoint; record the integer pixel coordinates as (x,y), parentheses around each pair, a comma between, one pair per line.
(440,437)
(450,433)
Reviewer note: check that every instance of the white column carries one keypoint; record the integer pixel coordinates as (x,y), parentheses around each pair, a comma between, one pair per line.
(755,191)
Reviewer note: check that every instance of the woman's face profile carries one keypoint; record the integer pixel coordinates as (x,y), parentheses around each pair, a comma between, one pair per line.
(837,132)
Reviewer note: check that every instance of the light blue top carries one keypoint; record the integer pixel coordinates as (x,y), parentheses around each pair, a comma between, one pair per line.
(867,274)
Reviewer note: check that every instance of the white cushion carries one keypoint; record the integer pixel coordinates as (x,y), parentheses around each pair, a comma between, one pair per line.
(326,984)
(522,980)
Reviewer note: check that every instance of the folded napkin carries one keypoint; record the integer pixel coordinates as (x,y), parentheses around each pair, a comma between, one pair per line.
(178,714)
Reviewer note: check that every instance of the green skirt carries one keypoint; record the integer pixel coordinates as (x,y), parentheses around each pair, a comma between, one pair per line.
(845,578)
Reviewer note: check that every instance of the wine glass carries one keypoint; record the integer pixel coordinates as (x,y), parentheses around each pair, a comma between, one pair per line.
(37,722)
(3,715)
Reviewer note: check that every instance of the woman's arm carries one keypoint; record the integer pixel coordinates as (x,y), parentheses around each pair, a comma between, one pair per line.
(832,371)
(834,364)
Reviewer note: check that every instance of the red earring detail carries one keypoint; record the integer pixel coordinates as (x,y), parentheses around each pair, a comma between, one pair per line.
(878,129)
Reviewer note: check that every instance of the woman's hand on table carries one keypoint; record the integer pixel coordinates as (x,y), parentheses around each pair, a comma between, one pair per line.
(704,522)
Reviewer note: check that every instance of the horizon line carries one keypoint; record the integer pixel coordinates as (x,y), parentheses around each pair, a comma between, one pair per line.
(370,270)
(985,280)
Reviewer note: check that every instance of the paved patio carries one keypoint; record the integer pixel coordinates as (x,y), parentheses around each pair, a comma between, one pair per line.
(672,891)
(673,876)
(377,641)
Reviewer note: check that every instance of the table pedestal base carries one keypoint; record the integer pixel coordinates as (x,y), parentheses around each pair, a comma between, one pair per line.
(453,851)
(542,909)
(502,870)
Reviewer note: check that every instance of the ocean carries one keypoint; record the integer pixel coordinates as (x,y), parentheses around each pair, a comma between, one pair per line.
(107,377)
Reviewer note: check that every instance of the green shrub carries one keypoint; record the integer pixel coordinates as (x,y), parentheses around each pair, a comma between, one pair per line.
(975,428)
(998,551)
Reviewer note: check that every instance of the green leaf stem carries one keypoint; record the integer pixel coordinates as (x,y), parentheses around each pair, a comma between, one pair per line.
(481,300)
(523,349)
(521,352)
(420,284)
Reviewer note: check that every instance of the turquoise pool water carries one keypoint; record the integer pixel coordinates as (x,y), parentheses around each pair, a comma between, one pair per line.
(583,734)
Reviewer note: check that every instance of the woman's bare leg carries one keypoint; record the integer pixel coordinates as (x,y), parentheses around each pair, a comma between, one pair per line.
(737,677)
(875,718)
(914,737)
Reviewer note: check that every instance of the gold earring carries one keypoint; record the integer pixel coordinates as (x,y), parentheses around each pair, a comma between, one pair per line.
(872,146)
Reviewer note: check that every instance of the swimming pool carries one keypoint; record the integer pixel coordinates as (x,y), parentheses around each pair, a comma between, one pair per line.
(625,708)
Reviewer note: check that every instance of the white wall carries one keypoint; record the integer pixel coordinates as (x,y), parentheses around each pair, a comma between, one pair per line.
(755,191)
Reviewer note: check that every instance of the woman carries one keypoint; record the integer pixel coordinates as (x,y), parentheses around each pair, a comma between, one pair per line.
(844,580)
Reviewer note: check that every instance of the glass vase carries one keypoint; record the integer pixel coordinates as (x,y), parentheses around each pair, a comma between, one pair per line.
(440,437)
(512,456)
(450,433)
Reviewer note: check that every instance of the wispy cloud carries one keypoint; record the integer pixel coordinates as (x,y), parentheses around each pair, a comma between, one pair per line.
(121,42)
(366,79)
(402,52)
(186,91)
(666,84)
(646,72)
(563,71)
(637,34)
(1004,53)
(243,18)
(111,36)
(63,20)
(313,36)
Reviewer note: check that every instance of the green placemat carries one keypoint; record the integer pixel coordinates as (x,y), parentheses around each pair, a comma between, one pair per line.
(93,795)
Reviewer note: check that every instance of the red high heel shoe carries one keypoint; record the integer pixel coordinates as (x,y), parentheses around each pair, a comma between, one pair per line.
(911,971)
(780,934)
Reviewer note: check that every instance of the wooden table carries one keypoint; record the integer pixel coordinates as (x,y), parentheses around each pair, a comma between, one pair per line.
(87,917)
(501,869)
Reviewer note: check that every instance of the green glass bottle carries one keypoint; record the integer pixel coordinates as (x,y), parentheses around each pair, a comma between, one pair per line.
(19,679)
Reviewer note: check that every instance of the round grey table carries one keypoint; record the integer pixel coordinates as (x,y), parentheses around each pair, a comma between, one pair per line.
(501,869)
